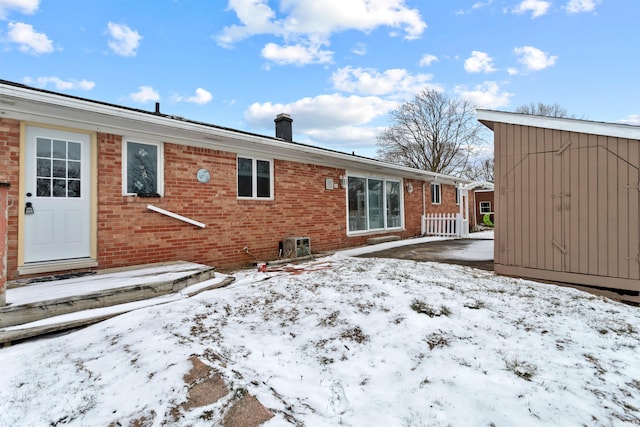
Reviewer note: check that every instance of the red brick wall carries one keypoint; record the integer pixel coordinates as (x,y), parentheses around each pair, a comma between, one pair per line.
(130,234)
(10,172)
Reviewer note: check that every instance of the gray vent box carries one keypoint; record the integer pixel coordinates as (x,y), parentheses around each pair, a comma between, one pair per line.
(295,247)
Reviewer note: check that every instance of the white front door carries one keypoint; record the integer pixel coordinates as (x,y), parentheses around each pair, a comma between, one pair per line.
(57,207)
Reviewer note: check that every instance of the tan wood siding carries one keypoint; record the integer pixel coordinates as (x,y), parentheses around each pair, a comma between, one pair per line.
(567,202)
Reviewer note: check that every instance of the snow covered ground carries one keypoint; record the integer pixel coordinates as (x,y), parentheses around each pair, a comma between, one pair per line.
(349,341)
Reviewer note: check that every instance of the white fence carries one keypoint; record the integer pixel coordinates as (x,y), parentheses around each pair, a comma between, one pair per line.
(444,225)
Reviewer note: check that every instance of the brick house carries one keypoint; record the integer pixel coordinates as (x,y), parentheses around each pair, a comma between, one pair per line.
(98,185)
(483,204)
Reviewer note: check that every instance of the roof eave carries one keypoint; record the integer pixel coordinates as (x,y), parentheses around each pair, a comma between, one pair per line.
(23,103)
(489,117)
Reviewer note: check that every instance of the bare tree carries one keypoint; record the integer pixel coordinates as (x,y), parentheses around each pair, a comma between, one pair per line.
(482,170)
(549,110)
(432,132)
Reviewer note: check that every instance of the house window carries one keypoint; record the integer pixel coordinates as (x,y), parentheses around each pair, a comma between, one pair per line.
(485,207)
(142,168)
(436,195)
(457,196)
(255,178)
(374,204)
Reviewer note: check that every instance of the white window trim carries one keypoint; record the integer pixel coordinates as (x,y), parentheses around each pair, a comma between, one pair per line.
(457,196)
(384,185)
(439,201)
(481,207)
(254,178)
(160,177)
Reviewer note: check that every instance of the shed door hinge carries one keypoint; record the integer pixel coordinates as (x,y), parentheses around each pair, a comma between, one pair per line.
(564,147)
(559,246)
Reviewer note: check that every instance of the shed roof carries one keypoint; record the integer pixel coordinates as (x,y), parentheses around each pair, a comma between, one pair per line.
(490,117)
(21,102)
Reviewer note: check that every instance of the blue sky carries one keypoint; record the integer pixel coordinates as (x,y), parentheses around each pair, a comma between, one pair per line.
(338,67)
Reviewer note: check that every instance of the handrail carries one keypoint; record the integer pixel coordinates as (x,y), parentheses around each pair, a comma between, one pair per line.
(176,216)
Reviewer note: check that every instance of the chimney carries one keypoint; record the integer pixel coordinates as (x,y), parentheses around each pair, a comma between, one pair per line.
(283,127)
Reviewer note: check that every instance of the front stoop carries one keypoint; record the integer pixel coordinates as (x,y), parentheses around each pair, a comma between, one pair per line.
(22,321)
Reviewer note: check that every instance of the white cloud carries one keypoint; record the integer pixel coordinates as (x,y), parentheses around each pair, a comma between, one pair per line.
(22,6)
(485,95)
(28,39)
(533,58)
(296,54)
(396,82)
(255,16)
(307,24)
(322,111)
(359,49)
(60,84)
(329,16)
(124,41)
(145,94)
(512,71)
(579,6)
(331,120)
(428,59)
(633,119)
(536,7)
(479,62)
(475,6)
(346,138)
(201,97)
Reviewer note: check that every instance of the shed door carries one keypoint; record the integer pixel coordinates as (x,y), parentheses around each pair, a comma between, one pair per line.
(57,200)
(600,207)
(572,206)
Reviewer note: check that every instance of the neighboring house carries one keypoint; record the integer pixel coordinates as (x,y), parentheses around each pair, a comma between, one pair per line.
(567,199)
(98,185)
(484,205)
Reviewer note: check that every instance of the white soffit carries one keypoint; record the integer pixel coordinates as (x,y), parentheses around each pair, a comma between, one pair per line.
(488,117)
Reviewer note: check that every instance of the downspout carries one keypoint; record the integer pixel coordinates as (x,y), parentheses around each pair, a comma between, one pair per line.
(475,211)
(423,223)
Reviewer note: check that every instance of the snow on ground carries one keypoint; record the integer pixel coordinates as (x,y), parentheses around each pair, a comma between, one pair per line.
(356,342)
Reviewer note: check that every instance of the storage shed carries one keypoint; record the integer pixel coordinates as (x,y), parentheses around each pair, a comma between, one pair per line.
(567,199)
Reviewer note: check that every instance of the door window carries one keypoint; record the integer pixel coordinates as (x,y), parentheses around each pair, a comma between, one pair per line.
(58,168)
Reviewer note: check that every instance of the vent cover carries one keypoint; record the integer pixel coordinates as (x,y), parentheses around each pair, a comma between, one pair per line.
(294,247)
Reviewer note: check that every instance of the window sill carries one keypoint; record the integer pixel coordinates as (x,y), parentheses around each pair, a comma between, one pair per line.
(256,202)
(134,198)
(374,232)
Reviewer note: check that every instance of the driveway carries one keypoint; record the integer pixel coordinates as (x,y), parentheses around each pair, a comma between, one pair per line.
(477,253)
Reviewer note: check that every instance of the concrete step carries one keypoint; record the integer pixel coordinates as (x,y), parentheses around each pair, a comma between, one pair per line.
(382,239)
(25,320)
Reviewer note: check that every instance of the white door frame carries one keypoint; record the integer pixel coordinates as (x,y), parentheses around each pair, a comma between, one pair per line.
(63,264)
